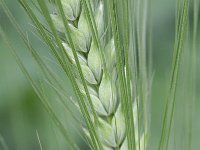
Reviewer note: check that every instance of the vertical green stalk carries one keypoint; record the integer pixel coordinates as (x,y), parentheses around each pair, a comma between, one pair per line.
(121,73)
(127,64)
(194,67)
(135,47)
(141,41)
(174,77)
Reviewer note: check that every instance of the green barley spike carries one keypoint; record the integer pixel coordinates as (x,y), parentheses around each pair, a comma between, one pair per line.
(102,86)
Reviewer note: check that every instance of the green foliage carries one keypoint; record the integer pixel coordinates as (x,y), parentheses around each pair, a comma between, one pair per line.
(104,48)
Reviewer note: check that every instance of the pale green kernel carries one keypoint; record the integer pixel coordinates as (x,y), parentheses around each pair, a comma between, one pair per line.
(106,134)
(71,9)
(107,94)
(94,62)
(88,74)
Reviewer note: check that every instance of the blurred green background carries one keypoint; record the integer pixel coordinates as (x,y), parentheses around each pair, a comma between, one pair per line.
(21,113)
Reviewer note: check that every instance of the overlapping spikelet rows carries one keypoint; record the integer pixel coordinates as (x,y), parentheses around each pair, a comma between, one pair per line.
(103,87)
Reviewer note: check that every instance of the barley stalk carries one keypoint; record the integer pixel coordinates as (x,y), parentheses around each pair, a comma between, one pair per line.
(102,84)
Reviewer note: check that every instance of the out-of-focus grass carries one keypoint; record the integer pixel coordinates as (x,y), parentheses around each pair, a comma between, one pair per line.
(21,113)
